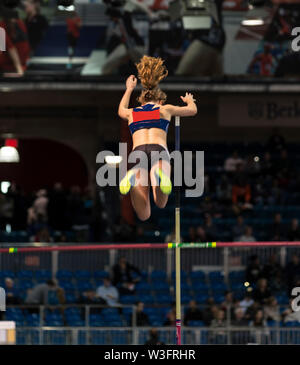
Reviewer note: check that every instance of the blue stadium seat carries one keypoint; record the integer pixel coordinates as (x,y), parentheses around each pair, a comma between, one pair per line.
(64,274)
(147,299)
(72,310)
(55,337)
(143,287)
(83,285)
(165,299)
(218,298)
(236,276)
(98,338)
(82,337)
(43,275)
(128,299)
(201,298)
(25,274)
(110,311)
(196,323)
(25,284)
(66,284)
(197,275)
(101,274)
(216,276)
(75,322)
(218,286)
(70,298)
(159,286)
(185,299)
(158,275)
(200,287)
(82,274)
(33,320)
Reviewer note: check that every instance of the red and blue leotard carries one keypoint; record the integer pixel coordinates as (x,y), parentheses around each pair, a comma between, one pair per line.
(147,117)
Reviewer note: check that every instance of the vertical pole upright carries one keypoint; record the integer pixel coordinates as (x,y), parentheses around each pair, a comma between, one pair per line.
(177,238)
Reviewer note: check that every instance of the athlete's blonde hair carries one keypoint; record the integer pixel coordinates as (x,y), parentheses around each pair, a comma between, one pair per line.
(151,70)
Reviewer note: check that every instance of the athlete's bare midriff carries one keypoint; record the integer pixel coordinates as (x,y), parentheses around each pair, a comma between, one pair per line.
(151,135)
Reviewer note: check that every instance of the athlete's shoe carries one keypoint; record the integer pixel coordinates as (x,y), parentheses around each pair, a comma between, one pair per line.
(127,182)
(164,181)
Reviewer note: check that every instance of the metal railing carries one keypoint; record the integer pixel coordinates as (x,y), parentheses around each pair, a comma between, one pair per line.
(140,335)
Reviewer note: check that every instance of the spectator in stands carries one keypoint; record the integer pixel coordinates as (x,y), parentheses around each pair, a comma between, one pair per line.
(140,235)
(251,310)
(239,228)
(252,165)
(142,318)
(267,167)
(19,207)
(75,208)
(193,313)
(36,23)
(40,205)
(276,142)
(123,43)
(40,293)
(253,270)
(246,302)
(171,237)
(228,303)
(283,164)
(90,297)
(231,163)
(260,325)
(272,269)
(277,231)
(200,234)
(210,312)
(153,338)
(123,277)
(210,228)
(289,315)
(218,336)
(11,293)
(108,292)
(73,32)
(238,320)
(241,190)
(271,310)
(224,190)
(192,237)
(203,56)
(247,236)
(171,316)
(294,231)
(57,207)
(292,272)
(6,210)
(261,293)
(13,61)
(43,236)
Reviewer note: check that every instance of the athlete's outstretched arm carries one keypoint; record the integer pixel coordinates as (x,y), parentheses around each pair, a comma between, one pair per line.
(123,106)
(183,111)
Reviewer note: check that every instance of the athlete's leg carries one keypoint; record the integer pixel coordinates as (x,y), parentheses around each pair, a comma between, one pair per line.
(140,195)
(161,184)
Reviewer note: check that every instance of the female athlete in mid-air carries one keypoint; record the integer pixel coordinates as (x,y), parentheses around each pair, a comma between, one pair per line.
(148,125)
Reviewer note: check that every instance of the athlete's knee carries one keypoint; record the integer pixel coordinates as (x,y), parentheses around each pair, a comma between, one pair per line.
(143,215)
(161,203)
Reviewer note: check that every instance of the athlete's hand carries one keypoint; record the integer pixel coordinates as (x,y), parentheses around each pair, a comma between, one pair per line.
(188,98)
(131,82)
